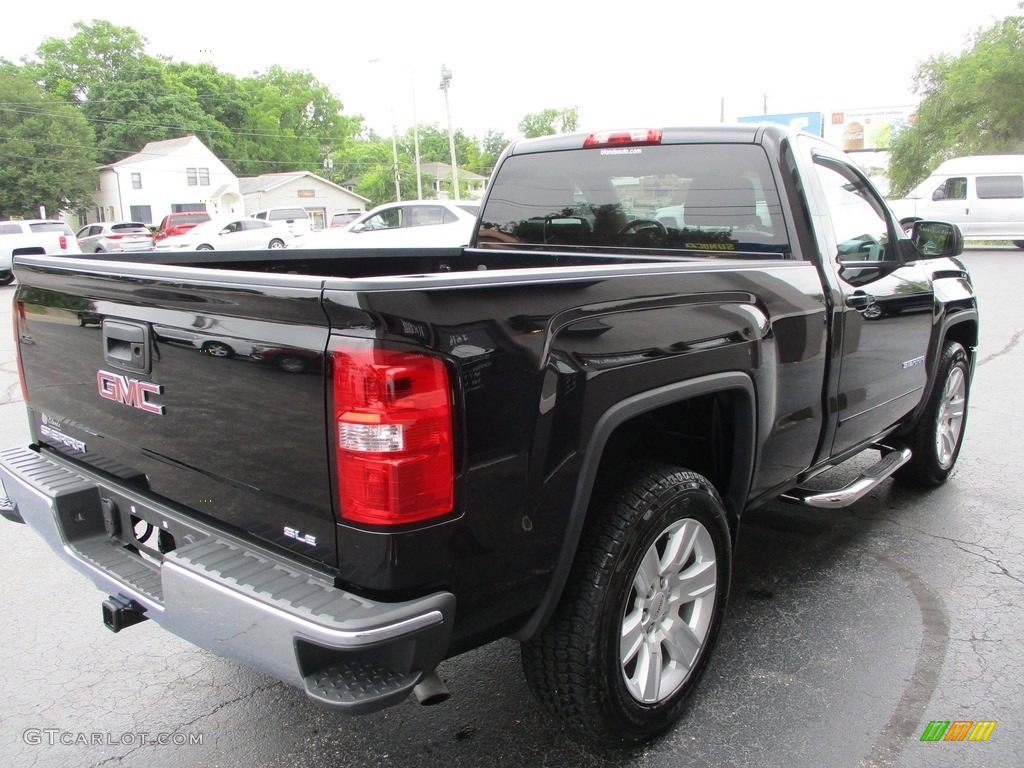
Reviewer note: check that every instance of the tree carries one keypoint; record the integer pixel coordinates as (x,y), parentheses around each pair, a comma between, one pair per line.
(491,146)
(294,123)
(146,103)
(46,158)
(95,53)
(549,122)
(971,104)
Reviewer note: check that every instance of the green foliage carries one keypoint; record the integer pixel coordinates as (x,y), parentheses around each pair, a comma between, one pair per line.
(971,104)
(144,103)
(96,52)
(293,123)
(46,158)
(550,121)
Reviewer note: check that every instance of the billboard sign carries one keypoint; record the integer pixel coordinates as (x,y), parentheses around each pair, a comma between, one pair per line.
(811,122)
(856,130)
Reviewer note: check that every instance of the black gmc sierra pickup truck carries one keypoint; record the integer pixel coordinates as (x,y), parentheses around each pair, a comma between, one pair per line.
(342,469)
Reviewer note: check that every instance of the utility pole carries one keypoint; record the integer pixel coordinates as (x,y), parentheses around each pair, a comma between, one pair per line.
(446,79)
(394,156)
(415,133)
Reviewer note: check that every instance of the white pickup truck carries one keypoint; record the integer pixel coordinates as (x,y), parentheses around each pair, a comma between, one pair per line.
(24,236)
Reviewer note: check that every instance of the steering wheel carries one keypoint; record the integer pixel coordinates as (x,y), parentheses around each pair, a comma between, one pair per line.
(638,223)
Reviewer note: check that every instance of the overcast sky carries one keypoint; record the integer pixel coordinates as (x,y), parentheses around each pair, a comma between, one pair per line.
(619,64)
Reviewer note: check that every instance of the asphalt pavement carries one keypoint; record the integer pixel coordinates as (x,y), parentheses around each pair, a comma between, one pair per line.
(848,633)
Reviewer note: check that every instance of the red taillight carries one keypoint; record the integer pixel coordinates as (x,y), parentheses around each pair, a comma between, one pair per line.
(63,240)
(393,427)
(631,137)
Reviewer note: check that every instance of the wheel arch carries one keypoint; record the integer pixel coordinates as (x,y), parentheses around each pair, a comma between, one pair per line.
(962,327)
(736,386)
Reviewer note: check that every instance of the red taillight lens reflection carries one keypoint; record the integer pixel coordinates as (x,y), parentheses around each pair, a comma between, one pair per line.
(393,428)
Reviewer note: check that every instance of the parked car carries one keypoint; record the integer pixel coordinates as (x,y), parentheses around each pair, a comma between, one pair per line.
(415,223)
(296,219)
(115,237)
(179,223)
(229,235)
(33,236)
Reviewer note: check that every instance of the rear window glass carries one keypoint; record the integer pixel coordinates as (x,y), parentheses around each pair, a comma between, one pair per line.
(52,226)
(189,218)
(708,199)
(129,228)
(287,213)
(1000,187)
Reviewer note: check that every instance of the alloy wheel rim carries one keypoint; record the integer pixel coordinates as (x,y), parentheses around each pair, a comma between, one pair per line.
(950,421)
(668,615)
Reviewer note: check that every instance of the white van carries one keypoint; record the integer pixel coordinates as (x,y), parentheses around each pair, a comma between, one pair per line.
(983,194)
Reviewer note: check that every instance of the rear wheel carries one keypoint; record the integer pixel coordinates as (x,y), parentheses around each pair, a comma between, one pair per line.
(204,247)
(641,610)
(275,243)
(937,437)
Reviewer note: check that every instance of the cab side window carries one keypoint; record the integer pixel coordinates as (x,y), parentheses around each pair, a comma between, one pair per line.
(858,219)
(1000,187)
(954,188)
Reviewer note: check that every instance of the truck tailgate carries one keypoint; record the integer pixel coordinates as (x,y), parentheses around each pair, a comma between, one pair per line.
(204,389)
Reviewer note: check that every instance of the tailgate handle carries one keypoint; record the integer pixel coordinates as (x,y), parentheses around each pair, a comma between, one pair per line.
(126,345)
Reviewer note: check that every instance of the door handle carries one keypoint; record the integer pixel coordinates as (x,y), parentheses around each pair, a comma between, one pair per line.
(860,300)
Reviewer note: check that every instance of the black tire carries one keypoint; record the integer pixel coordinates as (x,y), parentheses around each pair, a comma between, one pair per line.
(204,247)
(7,279)
(575,666)
(938,435)
(276,243)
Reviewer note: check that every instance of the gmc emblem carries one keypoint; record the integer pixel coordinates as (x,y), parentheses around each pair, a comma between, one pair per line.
(126,391)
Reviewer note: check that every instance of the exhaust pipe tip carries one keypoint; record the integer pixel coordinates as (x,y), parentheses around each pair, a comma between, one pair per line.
(431,689)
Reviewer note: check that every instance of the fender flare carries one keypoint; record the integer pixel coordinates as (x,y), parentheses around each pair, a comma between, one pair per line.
(745,434)
(948,323)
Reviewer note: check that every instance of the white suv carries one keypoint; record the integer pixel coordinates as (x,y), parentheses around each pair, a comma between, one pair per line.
(296,219)
(23,236)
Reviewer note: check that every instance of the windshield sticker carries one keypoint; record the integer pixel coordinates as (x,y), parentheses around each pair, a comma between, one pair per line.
(711,246)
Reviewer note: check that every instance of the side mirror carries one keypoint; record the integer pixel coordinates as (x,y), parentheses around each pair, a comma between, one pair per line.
(937,238)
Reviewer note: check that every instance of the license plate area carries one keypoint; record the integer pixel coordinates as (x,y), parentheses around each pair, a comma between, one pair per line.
(142,529)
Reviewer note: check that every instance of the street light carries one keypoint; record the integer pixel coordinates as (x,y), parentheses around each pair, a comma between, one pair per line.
(446,80)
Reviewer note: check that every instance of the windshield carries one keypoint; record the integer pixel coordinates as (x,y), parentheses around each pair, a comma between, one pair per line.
(922,190)
(708,199)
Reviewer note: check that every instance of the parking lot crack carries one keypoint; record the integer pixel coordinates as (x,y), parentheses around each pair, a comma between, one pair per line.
(1013,342)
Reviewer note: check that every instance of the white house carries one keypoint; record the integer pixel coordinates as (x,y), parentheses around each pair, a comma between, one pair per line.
(319,197)
(169,176)
(442,184)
